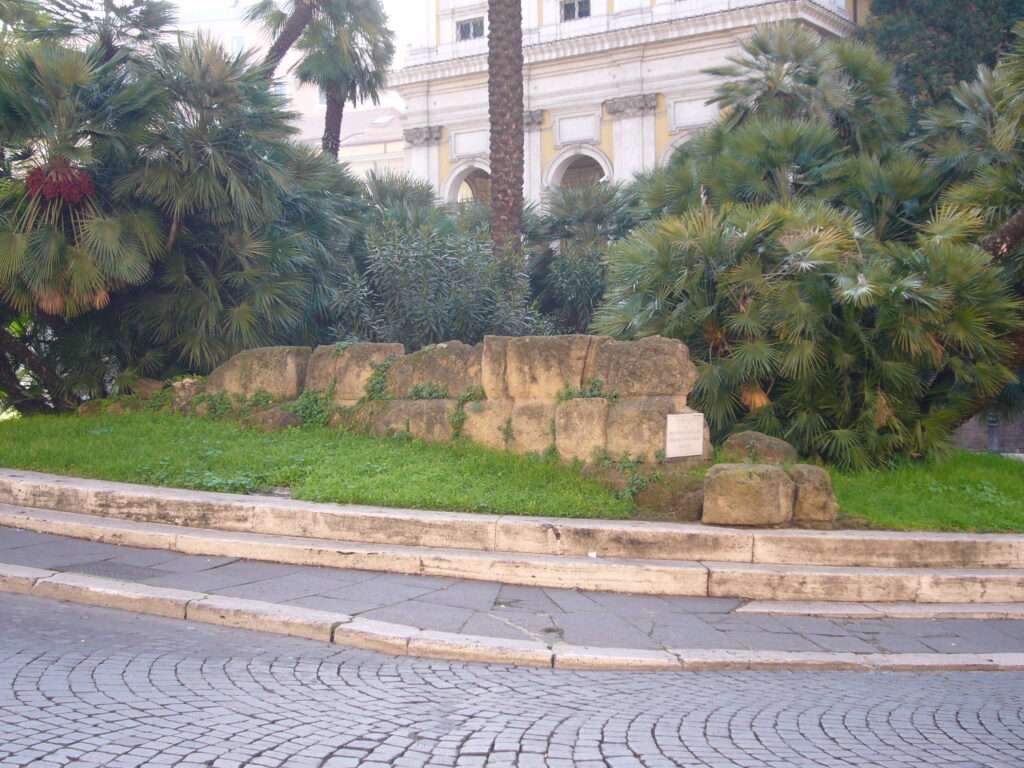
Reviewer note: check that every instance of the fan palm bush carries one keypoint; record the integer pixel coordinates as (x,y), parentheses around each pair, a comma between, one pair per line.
(807,328)
(805,259)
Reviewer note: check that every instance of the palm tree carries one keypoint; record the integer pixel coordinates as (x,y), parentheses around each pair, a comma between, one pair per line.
(505,101)
(346,51)
(259,227)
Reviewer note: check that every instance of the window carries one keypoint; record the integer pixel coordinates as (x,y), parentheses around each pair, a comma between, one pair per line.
(470,29)
(575,9)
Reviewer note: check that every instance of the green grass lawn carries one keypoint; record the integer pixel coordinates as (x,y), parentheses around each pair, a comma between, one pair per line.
(318,464)
(960,492)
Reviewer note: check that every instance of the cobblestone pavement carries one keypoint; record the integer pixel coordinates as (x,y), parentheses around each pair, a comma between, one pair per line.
(510,612)
(89,686)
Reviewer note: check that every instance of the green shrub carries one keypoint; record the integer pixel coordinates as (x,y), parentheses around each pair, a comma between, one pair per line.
(428,391)
(594,390)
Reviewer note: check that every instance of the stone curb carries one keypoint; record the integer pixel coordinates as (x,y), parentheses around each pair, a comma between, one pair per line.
(400,640)
(647,541)
(746,581)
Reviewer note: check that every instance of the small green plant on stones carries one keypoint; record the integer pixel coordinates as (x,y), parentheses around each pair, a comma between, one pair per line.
(314,408)
(507,433)
(593,390)
(160,401)
(341,347)
(377,384)
(458,417)
(211,406)
(428,391)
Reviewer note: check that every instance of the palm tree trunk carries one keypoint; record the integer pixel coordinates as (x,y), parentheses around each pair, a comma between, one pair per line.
(332,123)
(293,28)
(1007,238)
(505,102)
(11,348)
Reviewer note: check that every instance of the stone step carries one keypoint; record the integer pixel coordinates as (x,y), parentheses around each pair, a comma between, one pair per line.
(521,535)
(651,577)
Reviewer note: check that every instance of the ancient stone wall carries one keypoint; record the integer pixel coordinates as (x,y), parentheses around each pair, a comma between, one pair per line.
(586,396)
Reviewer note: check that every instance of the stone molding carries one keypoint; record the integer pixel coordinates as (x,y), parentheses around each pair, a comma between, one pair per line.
(632,106)
(642,34)
(533,120)
(424,136)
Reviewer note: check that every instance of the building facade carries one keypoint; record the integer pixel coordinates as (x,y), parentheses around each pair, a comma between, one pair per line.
(612,87)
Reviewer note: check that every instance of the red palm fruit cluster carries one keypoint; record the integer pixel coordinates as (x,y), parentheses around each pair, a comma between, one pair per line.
(60,180)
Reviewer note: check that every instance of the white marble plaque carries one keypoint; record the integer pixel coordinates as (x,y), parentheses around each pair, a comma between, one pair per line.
(684,435)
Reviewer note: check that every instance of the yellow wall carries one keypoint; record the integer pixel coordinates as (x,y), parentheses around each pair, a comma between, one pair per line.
(444,158)
(662,135)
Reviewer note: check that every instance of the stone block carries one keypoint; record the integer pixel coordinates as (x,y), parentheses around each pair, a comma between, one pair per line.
(146,388)
(487,422)
(110,593)
(757,448)
(266,617)
(428,420)
(492,650)
(493,363)
(748,495)
(347,369)
(540,367)
(648,367)
(453,367)
(278,371)
(636,426)
(274,419)
(183,391)
(816,503)
(20,578)
(581,428)
(675,494)
(533,427)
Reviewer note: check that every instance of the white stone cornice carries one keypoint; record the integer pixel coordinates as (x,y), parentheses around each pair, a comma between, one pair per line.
(632,106)
(642,34)
(424,136)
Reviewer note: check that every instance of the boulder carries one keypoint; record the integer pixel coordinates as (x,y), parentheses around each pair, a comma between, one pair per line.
(275,419)
(487,422)
(636,426)
(428,420)
(816,505)
(453,367)
(648,367)
(182,392)
(581,428)
(758,448)
(278,371)
(92,407)
(541,367)
(347,369)
(748,495)
(533,427)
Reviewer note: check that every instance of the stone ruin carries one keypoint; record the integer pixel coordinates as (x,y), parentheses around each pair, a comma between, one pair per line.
(589,398)
(584,396)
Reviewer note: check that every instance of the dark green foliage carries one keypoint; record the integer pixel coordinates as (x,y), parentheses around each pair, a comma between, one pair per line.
(377,384)
(804,263)
(936,44)
(567,244)
(428,391)
(314,408)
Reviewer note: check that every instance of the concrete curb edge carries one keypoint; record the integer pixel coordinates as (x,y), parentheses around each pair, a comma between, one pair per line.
(401,640)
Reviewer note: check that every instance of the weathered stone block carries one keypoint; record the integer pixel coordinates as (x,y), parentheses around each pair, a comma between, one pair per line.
(453,367)
(757,448)
(675,494)
(487,422)
(493,364)
(816,503)
(278,371)
(748,494)
(540,367)
(647,367)
(347,370)
(275,419)
(636,426)
(183,391)
(428,420)
(581,428)
(533,427)
(146,388)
